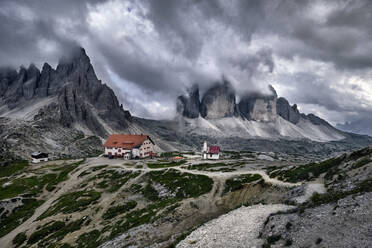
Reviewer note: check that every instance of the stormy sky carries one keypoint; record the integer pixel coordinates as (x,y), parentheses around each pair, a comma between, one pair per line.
(317,54)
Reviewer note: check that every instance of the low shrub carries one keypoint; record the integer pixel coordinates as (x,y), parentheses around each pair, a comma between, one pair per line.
(45,231)
(117,210)
(166,164)
(72,202)
(184,185)
(18,215)
(237,183)
(150,193)
(19,239)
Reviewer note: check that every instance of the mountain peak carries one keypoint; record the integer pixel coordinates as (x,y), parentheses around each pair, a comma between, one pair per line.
(219,101)
(73,56)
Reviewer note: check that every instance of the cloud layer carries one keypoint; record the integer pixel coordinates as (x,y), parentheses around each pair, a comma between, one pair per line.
(317,54)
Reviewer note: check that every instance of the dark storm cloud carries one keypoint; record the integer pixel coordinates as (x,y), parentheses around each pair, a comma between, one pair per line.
(157,48)
(308,88)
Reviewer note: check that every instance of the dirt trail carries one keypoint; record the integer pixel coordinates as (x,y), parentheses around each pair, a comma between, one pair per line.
(65,187)
(218,177)
(220,174)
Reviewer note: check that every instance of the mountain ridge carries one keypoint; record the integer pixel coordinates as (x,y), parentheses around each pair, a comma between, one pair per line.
(51,103)
(80,96)
(256,115)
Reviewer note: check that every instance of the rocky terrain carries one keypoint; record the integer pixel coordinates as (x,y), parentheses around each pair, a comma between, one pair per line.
(339,218)
(256,116)
(272,160)
(278,200)
(85,203)
(58,110)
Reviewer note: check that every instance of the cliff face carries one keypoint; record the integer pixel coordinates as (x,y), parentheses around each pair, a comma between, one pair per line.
(218,102)
(189,105)
(79,97)
(259,107)
(287,112)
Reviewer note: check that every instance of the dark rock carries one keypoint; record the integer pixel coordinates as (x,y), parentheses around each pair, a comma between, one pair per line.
(7,76)
(81,98)
(31,81)
(219,102)
(47,76)
(287,112)
(317,120)
(189,105)
(259,107)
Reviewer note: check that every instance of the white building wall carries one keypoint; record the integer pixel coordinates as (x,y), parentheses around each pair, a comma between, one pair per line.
(214,156)
(211,156)
(115,151)
(143,151)
(38,160)
(135,153)
(146,148)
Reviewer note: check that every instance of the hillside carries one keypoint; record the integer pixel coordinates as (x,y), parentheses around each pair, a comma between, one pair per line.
(98,201)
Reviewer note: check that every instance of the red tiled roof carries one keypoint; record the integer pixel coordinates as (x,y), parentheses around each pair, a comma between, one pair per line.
(126,141)
(214,149)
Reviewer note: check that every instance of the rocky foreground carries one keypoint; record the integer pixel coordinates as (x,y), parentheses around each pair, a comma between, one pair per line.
(238,228)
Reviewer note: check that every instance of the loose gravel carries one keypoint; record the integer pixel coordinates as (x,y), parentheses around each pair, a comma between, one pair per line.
(238,228)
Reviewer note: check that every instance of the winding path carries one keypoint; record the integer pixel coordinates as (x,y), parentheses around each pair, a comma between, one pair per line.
(247,217)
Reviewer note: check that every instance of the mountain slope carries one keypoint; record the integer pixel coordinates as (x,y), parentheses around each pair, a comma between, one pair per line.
(39,108)
(255,116)
(361,126)
(71,94)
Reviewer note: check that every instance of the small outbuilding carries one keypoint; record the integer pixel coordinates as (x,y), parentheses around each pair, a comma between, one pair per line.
(38,157)
(210,152)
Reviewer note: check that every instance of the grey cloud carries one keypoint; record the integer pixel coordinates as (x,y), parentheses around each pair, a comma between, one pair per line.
(195,41)
(308,88)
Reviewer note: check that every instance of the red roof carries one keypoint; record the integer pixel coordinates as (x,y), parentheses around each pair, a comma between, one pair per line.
(214,149)
(126,141)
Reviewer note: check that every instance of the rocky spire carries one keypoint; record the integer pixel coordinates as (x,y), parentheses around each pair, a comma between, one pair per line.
(219,101)
(259,107)
(189,105)
(287,112)
(81,97)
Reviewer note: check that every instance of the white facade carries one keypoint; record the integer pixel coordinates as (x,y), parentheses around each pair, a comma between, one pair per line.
(205,147)
(127,156)
(116,151)
(38,160)
(145,150)
(211,156)
(135,153)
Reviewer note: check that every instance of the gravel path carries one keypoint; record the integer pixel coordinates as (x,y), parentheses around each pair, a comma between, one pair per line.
(311,188)
(66,186)
(219,174)
(238,228)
